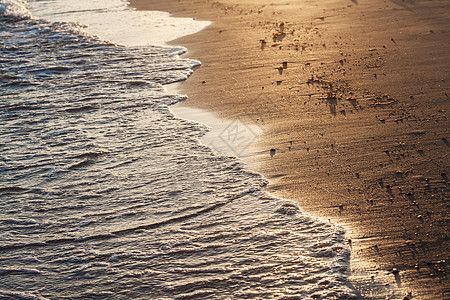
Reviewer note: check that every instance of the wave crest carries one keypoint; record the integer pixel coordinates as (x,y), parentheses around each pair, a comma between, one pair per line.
(14,9)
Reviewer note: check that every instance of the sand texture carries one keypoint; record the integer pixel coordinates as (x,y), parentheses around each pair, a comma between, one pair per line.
(354,99)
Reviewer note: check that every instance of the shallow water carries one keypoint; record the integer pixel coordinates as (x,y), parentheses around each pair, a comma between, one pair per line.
(116,22)
(106,194)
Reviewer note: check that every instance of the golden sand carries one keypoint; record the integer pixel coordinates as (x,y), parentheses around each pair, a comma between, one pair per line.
(354,98)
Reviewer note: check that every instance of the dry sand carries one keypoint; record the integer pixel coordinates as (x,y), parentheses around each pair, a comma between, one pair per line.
(358,117)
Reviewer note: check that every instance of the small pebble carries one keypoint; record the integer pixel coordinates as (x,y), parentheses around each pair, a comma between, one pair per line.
(272,152)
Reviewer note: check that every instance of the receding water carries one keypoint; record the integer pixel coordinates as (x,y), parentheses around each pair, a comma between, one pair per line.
(105,194)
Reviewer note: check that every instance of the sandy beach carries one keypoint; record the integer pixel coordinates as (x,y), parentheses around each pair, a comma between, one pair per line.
(353,96)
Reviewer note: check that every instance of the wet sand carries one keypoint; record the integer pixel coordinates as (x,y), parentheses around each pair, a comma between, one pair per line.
(354,99)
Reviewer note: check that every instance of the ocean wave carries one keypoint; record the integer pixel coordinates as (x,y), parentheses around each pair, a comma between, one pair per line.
(14,10)
(17,295)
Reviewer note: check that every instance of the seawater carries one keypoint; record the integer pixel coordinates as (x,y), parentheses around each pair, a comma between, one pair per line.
(106,194)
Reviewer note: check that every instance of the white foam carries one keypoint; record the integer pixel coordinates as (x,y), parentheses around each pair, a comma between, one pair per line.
(14,8)
(118,23)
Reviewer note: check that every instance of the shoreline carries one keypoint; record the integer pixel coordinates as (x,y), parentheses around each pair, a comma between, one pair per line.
(357,123)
